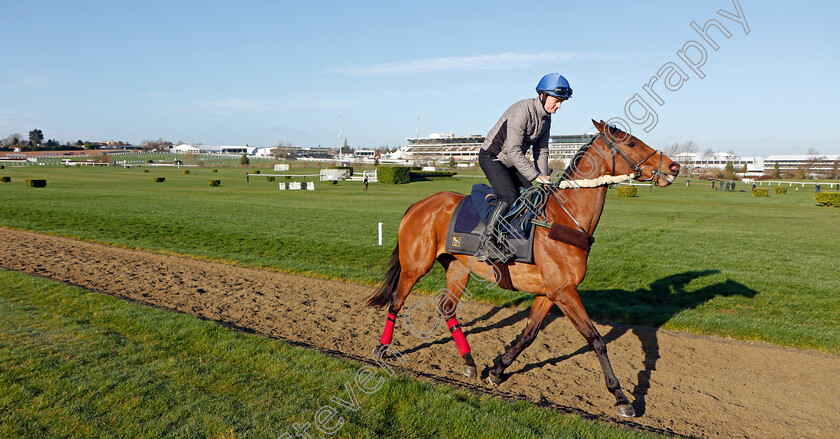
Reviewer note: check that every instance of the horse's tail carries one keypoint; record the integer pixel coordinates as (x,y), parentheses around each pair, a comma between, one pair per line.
(385,293)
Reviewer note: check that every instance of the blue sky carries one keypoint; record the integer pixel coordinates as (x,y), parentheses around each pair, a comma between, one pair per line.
(258,73)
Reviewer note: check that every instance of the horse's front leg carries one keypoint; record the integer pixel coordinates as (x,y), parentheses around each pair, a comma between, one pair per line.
(457,276)
(536,317)
(569,302)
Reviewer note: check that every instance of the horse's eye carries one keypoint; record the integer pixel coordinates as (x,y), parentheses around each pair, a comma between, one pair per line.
(631,144)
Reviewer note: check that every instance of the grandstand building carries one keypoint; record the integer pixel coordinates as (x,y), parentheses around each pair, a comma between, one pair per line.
(443,147)
(811,166)
(210,149)
(697,163)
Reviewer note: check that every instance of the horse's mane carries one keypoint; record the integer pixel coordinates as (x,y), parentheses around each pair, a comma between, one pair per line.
(567,173)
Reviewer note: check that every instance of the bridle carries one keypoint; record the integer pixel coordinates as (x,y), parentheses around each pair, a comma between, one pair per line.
(613,147)
(636,167)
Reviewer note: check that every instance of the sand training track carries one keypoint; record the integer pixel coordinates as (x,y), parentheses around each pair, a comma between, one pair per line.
(679,383)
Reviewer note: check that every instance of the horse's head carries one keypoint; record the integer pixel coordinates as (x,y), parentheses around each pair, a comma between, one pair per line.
(629,155)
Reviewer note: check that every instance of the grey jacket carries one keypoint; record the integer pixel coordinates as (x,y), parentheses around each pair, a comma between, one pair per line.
(523,125)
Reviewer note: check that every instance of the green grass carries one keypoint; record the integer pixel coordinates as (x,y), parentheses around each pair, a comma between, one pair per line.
(77,364)
(684,258)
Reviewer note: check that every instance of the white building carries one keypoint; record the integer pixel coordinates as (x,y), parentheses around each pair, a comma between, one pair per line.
(446,146)
(184,149)
(265,152)
(211,149)
(698,163)
(364,154)
(814,166)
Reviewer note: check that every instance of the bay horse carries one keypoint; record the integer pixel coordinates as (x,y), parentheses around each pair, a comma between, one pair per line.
(557,268)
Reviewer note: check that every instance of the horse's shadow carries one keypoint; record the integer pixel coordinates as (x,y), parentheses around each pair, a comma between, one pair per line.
(669,296)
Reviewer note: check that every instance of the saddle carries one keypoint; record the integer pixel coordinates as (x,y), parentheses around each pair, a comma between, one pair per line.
(470,218)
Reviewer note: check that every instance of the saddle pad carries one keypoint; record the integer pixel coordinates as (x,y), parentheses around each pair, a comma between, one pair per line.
(465,229)
(483,201)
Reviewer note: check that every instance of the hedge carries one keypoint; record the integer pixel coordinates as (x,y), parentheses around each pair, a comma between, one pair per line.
(214,183)
(393,174)
(186,171)
(6,179)
(626,191)
(269,179)
(781,190)
(827,199)
(36,183)
(160,179)
(349,168)
(760,192)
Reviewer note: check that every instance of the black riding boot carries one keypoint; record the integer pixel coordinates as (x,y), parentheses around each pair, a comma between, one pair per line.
(490,244)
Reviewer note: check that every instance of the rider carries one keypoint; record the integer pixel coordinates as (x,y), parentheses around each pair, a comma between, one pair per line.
(525,124)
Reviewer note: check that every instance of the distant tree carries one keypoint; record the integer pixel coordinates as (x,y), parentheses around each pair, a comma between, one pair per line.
(776,171)
(156,145)
(744,169)
(689,146)
(80,143)
(244,160)
(811,168)
(284,150)
(13,139)
(729,167)
(835,174)
(103,158)
(729,171)
(36,137)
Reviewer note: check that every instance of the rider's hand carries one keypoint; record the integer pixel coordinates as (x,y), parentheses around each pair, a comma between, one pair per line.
(543,179)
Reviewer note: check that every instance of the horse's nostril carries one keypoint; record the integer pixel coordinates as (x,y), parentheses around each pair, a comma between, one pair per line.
(674,167)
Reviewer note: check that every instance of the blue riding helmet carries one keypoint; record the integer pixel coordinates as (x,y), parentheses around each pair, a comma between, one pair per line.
(554,84)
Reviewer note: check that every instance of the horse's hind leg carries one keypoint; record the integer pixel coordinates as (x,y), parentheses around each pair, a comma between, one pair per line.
(457,276)
(536,317)
(569,302)
(409,267)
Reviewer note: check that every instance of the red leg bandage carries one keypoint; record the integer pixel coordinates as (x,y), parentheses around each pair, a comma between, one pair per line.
(458,336)
(388,333)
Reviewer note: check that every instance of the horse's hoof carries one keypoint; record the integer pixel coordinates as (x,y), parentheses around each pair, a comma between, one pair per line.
(494,379)
(469,365)
(382,351)
(470,371)
(626,410)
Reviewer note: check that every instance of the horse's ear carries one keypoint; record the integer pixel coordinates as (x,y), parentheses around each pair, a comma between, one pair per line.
(598,125)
